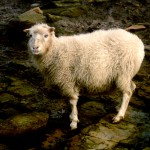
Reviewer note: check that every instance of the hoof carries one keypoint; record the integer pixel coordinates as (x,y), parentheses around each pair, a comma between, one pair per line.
(117,119)
(73,125)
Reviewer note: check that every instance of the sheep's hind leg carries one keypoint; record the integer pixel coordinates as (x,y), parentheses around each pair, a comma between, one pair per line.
(127,93)
(74,113)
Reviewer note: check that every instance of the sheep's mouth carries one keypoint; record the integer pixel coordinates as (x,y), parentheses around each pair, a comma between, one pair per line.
(35,51)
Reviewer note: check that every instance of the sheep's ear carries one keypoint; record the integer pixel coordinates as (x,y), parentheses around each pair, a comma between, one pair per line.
(26,30)
(52,29)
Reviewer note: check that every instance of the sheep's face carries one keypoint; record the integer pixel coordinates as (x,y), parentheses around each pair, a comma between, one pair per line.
(40,38)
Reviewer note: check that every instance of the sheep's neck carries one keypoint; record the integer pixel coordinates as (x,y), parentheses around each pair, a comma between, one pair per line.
(44,61)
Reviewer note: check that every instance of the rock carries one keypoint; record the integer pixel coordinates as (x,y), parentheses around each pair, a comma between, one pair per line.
(72,1)
(67,4)
(23,123)
(33,16)
(14,29)
(53,18)
(53,139)
(146,148)
(144,92)
(5,97)
(91,1)
(103,135)
(67,11)
(8,112)
(135,27)
(20,88)
(4,83)
(137,102)
(74,11)
(91,112)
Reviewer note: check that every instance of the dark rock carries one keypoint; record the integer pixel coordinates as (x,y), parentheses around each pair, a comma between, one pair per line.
(4,147)
(74,11)
(68,3)
(20,88)
(5,97)
(144,92)
(103,135)
(23,123)
(53,139)
(91,112)
(4,83)
(68,12)
(146,148)
(98,1)
(53,18)
(23,21)
(8,112)
(16,28)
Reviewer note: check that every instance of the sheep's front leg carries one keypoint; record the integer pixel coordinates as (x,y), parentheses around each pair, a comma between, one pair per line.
(74,113)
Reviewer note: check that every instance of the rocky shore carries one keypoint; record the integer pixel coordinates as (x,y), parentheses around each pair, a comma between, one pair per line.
(33,118)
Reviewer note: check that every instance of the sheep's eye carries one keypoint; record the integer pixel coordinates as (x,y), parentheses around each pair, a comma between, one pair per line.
(29,35)
(46,35)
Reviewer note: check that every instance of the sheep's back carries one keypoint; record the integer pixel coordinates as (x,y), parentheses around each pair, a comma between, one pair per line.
(104,55)
(95,60)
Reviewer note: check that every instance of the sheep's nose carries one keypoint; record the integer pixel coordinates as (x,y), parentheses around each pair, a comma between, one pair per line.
(35,47)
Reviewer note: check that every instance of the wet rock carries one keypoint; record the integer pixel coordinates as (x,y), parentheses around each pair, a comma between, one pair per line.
(74,11)
(137,102)
(146,148)
(73,1)
(144,92)
(20,88)
(68,11)
(135,27)
(5,97)
(7,112)
(53,18)
(105,135)
(10,9)
(53,139)
(91,112)
(67,3)
(23,123)
(4,83)
(14,29)
(98,1)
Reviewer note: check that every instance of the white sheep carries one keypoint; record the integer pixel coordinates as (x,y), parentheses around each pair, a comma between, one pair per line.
(89,62)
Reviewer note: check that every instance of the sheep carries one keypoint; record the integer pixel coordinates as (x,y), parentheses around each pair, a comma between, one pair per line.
(90,62)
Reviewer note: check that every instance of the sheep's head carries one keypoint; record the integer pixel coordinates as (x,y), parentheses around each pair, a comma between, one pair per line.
(40,38)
